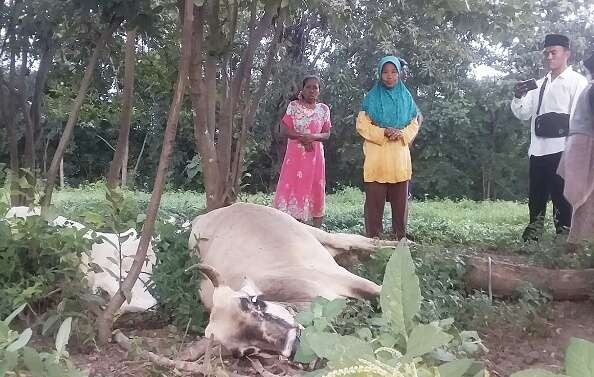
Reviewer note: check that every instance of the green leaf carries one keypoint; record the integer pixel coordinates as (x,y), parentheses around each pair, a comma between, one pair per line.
(334,308)
(455,368)
(579,358)
(9,362)
(400,298)
(387,340)
(49,323)
(21,341)
(424,339)
(304,353)
(534,373)
(305,317)
(63,335)
(33,362)
(13,315)
(339,350)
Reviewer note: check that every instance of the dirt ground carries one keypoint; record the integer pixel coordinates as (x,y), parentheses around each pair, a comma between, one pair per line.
(509,350)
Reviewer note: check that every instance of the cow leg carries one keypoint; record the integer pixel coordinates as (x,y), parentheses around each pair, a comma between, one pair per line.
(348,249)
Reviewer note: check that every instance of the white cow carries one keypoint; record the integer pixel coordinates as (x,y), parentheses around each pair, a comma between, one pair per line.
(104,254)
(261,261)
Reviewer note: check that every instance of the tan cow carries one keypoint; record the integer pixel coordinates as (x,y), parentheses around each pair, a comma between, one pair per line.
(266,262)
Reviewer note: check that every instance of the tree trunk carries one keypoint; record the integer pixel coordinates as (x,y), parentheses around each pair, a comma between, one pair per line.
(62,173)
(203,134)
(504,279)
(137,165)
(250,112)
(73,117)
(124,181)
(105,321)
(45,63)
(222,158)
(117,164)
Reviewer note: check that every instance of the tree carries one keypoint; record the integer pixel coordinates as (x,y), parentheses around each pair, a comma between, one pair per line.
(224,108)
(105,320)
(120,158)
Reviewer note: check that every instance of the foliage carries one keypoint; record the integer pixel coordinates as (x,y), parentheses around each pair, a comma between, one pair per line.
(391,342)
(40,263)
(16,357)
(177,290)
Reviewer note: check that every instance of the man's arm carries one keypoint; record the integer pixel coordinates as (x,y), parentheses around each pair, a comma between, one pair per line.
(524,107)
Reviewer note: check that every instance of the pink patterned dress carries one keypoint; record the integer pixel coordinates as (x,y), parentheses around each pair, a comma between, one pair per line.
(301,189)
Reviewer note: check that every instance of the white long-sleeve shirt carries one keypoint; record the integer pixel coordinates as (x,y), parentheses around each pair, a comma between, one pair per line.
(560,96)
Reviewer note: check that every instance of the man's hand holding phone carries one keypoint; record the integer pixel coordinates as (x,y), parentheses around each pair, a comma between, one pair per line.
(523,87)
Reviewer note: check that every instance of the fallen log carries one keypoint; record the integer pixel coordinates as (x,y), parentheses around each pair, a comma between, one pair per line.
(504,279)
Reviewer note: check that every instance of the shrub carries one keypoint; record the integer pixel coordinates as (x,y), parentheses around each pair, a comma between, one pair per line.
(16,357)
(39,262)
(177,290)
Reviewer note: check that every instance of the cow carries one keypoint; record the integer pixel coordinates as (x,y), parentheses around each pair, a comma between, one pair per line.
(261,265)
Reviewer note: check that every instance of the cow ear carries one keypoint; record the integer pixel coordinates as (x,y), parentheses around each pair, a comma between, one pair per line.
(249,288)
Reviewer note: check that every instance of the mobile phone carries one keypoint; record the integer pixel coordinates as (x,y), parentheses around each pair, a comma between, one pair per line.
(529,84)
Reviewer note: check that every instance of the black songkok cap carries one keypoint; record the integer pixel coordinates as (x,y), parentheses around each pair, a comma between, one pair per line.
(556,40)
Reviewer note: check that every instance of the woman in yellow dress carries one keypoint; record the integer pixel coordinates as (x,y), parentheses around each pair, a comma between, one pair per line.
(388,124)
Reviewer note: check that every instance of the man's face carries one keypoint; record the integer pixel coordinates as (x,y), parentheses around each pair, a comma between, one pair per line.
(555,57)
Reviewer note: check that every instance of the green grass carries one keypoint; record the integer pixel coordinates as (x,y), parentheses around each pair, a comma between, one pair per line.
(479,225)
(446,222)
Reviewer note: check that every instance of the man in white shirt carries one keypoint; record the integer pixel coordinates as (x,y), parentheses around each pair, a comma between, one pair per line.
(557,92)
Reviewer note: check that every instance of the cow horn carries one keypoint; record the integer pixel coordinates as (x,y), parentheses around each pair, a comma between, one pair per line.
(210,272)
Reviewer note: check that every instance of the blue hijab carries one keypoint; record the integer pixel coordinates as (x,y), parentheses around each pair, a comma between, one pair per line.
(389,107)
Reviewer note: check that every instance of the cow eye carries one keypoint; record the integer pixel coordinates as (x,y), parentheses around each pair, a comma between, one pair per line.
(254,299)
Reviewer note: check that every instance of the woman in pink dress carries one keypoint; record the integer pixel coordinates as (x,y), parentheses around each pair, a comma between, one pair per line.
(301,189)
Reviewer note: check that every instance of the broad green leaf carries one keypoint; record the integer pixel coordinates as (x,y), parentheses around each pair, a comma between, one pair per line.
(9,362)
(334,308)
(305,317)
(387,340)
(339,350)
(21,341)
(33,362)
(455,368)
(400,297)
(63,335)
(534,373)
(13,315)
(579,358)
(49,323)
(304,353)
(424,339)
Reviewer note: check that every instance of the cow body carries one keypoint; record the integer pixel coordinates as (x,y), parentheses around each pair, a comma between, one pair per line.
(284,260)
(265,263)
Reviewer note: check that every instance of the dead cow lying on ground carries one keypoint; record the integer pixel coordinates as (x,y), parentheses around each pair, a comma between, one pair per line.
(263,262)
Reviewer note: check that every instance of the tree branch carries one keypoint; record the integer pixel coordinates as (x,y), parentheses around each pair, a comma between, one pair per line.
(105,322)
(73,117)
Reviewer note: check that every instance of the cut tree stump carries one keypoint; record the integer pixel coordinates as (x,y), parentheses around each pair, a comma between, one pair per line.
(506,278)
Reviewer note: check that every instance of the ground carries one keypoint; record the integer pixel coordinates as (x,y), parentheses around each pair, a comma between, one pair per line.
(509,349)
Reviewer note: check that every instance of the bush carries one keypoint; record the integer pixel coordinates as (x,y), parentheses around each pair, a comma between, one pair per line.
(177,290)
(39,263)
(16,357)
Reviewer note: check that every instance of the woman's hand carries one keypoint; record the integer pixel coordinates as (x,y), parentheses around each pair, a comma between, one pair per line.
(307,138)
(393,134)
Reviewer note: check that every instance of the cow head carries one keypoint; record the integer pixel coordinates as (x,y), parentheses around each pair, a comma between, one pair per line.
(245,324)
